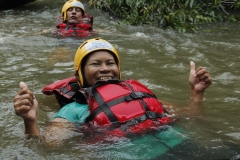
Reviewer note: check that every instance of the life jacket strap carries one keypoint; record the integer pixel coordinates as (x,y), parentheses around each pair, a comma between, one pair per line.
(116,101)
(67,91)
(137,95)
(148,115)
(104,107)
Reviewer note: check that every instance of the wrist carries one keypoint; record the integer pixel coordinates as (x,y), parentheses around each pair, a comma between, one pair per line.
(29,122)
(196,96)
(31,127)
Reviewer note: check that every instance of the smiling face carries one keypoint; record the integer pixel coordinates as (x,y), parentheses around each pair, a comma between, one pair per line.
(74,15)
(100,65)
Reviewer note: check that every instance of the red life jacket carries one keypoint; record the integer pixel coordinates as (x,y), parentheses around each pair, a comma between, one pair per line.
(125,105)
(82,29)
(65,91)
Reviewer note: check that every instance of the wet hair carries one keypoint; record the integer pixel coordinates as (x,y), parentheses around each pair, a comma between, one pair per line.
(83,64)
(82,12)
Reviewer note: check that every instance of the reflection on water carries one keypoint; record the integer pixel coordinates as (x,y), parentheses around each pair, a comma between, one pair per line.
(158,58)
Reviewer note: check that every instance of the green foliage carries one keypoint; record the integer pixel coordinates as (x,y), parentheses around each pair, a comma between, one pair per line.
(182,15)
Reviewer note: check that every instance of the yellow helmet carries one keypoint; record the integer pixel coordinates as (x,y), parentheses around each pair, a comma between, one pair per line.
(69,4)
(88,47)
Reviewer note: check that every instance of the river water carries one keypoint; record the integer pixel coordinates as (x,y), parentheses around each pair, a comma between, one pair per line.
(158,58)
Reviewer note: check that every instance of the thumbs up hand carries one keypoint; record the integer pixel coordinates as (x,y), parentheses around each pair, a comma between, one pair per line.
(25,104)
(199,79)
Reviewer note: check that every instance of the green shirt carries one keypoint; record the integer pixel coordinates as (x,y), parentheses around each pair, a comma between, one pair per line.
(74,112)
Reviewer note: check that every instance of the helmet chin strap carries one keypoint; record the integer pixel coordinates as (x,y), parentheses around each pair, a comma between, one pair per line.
(81,78)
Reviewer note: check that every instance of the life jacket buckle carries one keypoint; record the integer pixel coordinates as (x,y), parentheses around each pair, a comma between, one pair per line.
(151,115)
(137,95)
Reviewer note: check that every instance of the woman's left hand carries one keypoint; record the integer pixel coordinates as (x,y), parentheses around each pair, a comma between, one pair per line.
(199,79)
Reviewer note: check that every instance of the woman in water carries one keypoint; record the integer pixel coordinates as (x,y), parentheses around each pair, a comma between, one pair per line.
(96,60)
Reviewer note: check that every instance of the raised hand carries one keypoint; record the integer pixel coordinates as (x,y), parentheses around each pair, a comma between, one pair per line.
(25,103)
(199,80)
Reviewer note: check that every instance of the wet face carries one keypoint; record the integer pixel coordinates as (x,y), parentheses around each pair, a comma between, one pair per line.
(100,65)
(74,15)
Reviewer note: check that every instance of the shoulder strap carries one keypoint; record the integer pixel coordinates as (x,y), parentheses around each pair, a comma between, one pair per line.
(140,96)
(69,90)
(103,106)
(48,90)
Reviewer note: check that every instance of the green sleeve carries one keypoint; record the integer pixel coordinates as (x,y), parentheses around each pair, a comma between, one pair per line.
(74,112)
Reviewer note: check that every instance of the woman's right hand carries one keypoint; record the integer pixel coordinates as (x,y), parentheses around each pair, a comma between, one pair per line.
(25,104)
